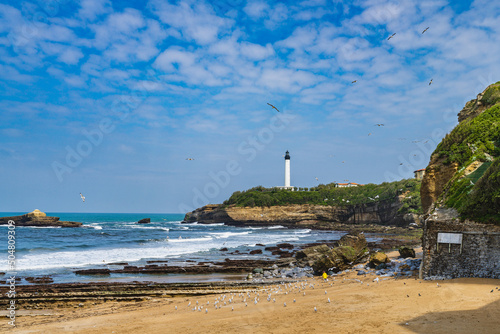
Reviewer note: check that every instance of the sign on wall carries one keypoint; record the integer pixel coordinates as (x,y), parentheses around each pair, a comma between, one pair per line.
(450,238)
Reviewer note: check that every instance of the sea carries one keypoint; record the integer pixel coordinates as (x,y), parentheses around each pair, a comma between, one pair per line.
(107,238)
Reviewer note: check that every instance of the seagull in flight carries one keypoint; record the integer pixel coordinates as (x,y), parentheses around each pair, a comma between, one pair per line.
(354,81)
(425,30)
(430,82)
(273,107)
(189,159)
(379,124)
(391,36)
(316,179)
(82,197)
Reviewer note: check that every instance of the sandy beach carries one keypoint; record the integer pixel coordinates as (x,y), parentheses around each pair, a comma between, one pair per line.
(358,304)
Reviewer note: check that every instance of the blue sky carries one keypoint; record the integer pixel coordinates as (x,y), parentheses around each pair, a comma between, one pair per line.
(111,98)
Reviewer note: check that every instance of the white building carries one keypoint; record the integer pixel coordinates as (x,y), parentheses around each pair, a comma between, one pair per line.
(287,172)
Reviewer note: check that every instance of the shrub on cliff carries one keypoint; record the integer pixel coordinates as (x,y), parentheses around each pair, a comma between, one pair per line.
(330,194)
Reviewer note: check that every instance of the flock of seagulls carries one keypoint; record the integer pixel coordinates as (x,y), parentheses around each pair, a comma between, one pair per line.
(391,37)
(270,294)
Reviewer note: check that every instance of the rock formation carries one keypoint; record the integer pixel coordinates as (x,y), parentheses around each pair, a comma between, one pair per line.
(38,218)
(144,221)
(303,216)
(352,249)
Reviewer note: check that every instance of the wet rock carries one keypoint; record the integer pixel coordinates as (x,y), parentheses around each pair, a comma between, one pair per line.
(40,280)
(282,254)
(144,221)
(285,246)
(406,252)
(223,249)
(356,241)
(93,272)
(256,251)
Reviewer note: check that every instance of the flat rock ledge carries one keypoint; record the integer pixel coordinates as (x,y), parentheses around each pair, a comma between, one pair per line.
(38,219)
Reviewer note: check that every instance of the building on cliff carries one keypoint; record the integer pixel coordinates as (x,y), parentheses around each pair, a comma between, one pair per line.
(419,173)
(347,185)
(287,172)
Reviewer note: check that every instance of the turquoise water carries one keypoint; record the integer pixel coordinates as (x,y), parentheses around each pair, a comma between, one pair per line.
(106,238)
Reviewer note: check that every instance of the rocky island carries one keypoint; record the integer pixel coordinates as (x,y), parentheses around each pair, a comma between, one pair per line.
(39,219)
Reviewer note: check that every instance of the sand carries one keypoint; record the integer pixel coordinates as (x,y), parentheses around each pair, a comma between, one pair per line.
(358,305)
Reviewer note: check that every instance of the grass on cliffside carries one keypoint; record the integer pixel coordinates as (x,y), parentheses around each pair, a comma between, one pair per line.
(476,196)
(482,202)
(472,139)
(331,195)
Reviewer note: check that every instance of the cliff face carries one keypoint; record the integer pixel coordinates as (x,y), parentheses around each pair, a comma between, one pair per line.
(460,193)
(464,156)
(436,176)
(301,216)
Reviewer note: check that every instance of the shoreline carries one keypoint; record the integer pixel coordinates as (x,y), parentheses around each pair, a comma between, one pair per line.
(393,304)
(231,262)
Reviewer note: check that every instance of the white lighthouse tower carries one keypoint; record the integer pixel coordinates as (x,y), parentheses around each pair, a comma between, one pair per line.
(287,170)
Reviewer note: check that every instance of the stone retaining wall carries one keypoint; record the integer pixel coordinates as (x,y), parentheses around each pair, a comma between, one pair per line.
(477,256)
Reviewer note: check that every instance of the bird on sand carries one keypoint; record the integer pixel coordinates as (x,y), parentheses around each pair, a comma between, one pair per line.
(273,107)
(315,309)
(391,36)
(425,30)
(82,197)
(430,82)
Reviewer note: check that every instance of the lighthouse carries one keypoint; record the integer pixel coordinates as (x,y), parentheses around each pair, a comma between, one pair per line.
(287,170)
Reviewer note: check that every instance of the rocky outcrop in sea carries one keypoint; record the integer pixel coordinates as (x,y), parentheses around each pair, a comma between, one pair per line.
(38,218)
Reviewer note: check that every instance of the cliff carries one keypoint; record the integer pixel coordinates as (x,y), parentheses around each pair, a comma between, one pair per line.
(463,170)
(304,216)
(38,218)
(460,194)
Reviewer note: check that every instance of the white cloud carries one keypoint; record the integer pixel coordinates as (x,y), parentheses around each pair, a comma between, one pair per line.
(256,9)
(174,56)
(196,20)
(286,79)
(91,9)
(256,51)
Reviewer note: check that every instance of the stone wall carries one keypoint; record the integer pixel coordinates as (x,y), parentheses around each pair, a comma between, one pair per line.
(478,256)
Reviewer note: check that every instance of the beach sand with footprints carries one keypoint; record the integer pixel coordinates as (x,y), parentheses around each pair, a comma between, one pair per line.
(358,304)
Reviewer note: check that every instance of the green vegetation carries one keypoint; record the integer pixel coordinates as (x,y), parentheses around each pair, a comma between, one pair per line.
(472,139)
(476,196)
(332,195)
(492,95)
(483,201)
